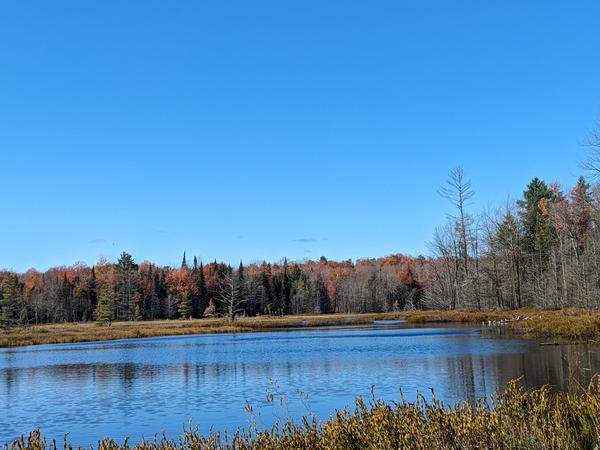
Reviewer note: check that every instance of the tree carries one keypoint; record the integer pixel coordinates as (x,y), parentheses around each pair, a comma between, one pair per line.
(104,307)
(267,291)
(126,287)
(581,213)
(231,297)
(285,289)
(10,300)
(508,240)
(198,292)
(592,164)
(185,307)
(534,216)
(184,262)
(459,191)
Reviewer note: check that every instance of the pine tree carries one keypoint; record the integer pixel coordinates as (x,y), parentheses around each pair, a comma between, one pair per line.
(10,300)
(241,271)
(126,287)
(184,262)
(103,311)
(171,307)
(285,289)
(199,293)
(534,217)
(92,292)
(267,291)
(581,211)
(66,299)
(185,307)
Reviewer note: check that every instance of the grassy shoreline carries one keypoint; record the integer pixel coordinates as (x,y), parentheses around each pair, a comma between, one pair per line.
(73,332)
(574,325)
(564,325)
(516,419)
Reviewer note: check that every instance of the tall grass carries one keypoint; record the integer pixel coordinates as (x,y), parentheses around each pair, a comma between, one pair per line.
(67,333)
(564,324)
(567,324)
(515,419)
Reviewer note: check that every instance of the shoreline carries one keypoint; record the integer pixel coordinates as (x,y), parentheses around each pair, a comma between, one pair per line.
(560,326)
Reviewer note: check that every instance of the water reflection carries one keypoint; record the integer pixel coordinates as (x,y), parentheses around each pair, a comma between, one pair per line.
(144,386)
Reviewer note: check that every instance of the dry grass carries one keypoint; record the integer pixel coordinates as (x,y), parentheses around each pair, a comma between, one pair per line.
(569,324)
(518,419)
(87,332)
(577,325)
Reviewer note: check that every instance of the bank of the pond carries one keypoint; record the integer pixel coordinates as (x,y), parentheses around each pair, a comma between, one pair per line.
(68,333)
(561,325)
(518,419)
(556,325)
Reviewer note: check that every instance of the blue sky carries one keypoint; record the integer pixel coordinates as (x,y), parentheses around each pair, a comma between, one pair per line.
(265,129)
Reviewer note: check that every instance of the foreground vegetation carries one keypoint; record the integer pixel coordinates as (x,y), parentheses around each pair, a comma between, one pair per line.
(516,419)
(563,325)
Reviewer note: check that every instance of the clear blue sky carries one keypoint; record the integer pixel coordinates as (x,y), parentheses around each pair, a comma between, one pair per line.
(263,129)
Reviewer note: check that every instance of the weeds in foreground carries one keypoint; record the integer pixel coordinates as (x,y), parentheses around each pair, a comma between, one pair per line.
(515,419)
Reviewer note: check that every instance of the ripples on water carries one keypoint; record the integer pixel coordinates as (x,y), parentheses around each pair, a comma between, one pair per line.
(145,386)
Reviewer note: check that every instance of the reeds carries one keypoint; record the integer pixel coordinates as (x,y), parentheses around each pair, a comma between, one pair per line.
(515,419)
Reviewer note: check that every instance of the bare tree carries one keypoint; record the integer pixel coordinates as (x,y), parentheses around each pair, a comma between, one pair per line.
(592,163)
(459,191)
(232,296)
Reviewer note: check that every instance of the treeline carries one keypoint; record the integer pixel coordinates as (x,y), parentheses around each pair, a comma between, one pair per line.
(126,290)
(542,250)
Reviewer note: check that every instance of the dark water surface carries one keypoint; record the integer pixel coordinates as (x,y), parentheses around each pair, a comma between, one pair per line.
(145,386)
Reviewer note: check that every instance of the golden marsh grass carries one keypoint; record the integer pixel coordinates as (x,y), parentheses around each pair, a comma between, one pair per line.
(516,419)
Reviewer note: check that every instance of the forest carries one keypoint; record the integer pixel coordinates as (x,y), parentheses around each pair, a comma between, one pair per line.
(542,250)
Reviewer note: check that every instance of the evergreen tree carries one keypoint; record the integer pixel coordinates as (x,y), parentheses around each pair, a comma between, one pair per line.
(10,301)
(106,298)
(185,307)
(534,216)
(92,292)
(323,300)
(126,287)
(581,212)
(184,262)
(155,296)
(65,297)
(285,289)
(171,307)
(267,297)
(241,272)
(197,290)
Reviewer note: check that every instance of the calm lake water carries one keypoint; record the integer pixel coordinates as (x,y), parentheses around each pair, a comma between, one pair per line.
(140,387)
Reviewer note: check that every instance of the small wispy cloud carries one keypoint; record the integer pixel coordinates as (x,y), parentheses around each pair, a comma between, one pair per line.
(98,241)
(306,240)
(156,230)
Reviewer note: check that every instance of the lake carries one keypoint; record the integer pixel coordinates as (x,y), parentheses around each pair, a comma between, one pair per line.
(140,387)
